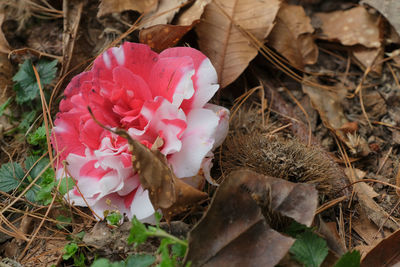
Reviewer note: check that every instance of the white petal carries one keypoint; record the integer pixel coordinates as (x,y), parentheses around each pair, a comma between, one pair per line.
(197,141)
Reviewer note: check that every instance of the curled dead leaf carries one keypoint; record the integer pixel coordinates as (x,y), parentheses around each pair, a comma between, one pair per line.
(228,48)
(236,230)
(4,46)
(163,36)
(292,36)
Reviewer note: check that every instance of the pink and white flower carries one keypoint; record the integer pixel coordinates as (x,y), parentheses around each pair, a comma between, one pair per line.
(150,95)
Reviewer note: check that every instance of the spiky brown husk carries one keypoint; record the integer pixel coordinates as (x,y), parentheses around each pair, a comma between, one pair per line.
(282,157)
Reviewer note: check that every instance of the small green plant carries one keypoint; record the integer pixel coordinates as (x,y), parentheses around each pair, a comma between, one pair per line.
(71,250)
(171,249)
(311,249)
(14,177)
(114,218)
(38,139)
(26,85)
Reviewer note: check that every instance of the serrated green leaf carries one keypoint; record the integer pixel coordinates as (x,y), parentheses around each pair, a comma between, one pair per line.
(38,138)
(70,250)
(10,176)
(309,249)
(27,120)
(66,184)
(138,232)
(30,161)
(350,259)
(26,85)
(140,260)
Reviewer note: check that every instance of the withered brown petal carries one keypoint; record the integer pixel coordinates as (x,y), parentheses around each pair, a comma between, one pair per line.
(234,231)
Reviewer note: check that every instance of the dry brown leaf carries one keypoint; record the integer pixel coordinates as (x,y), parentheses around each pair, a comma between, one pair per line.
(164,13)
(367,230)
(292,36)
(351,27)
(160,37)
(4,46)
(235,231)
(328,105)
(367,189)
(386,253)
(369,57)
(220,39)
(193,13)
(373,211)
(389,9)
(117,6)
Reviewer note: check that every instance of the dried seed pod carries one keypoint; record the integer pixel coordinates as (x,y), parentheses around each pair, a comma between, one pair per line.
(285,158)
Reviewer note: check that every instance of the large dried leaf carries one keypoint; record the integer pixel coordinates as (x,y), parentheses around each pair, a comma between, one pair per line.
(351,27)
(163,36)
(389,9)
(235,231)
(220,39)
(117,6)
(193,13)
(164,13)
(369,57)
(386,253)
(292,36)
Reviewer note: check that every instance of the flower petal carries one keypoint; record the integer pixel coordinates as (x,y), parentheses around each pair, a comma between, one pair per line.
(205,79)
(171,77)
(197,141)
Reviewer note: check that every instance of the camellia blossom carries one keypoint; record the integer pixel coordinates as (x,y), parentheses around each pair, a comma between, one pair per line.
(149,95)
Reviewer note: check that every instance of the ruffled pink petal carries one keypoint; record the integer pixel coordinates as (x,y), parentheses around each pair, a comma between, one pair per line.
(205,79)
(138,58)
(166,121)
(197,141)
(171,78)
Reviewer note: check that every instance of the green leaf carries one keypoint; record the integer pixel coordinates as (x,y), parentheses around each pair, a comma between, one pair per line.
(26,85)
(46,186)
(66,184)
(10,176)
(138,232)
(296,228)
(28,118)
(30,161)
(350,259)
(140,260)
(63,221)
(309,249)
(158,217)
(38,138)
(114,218)
(166,260)
(70,250)
(179,250)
